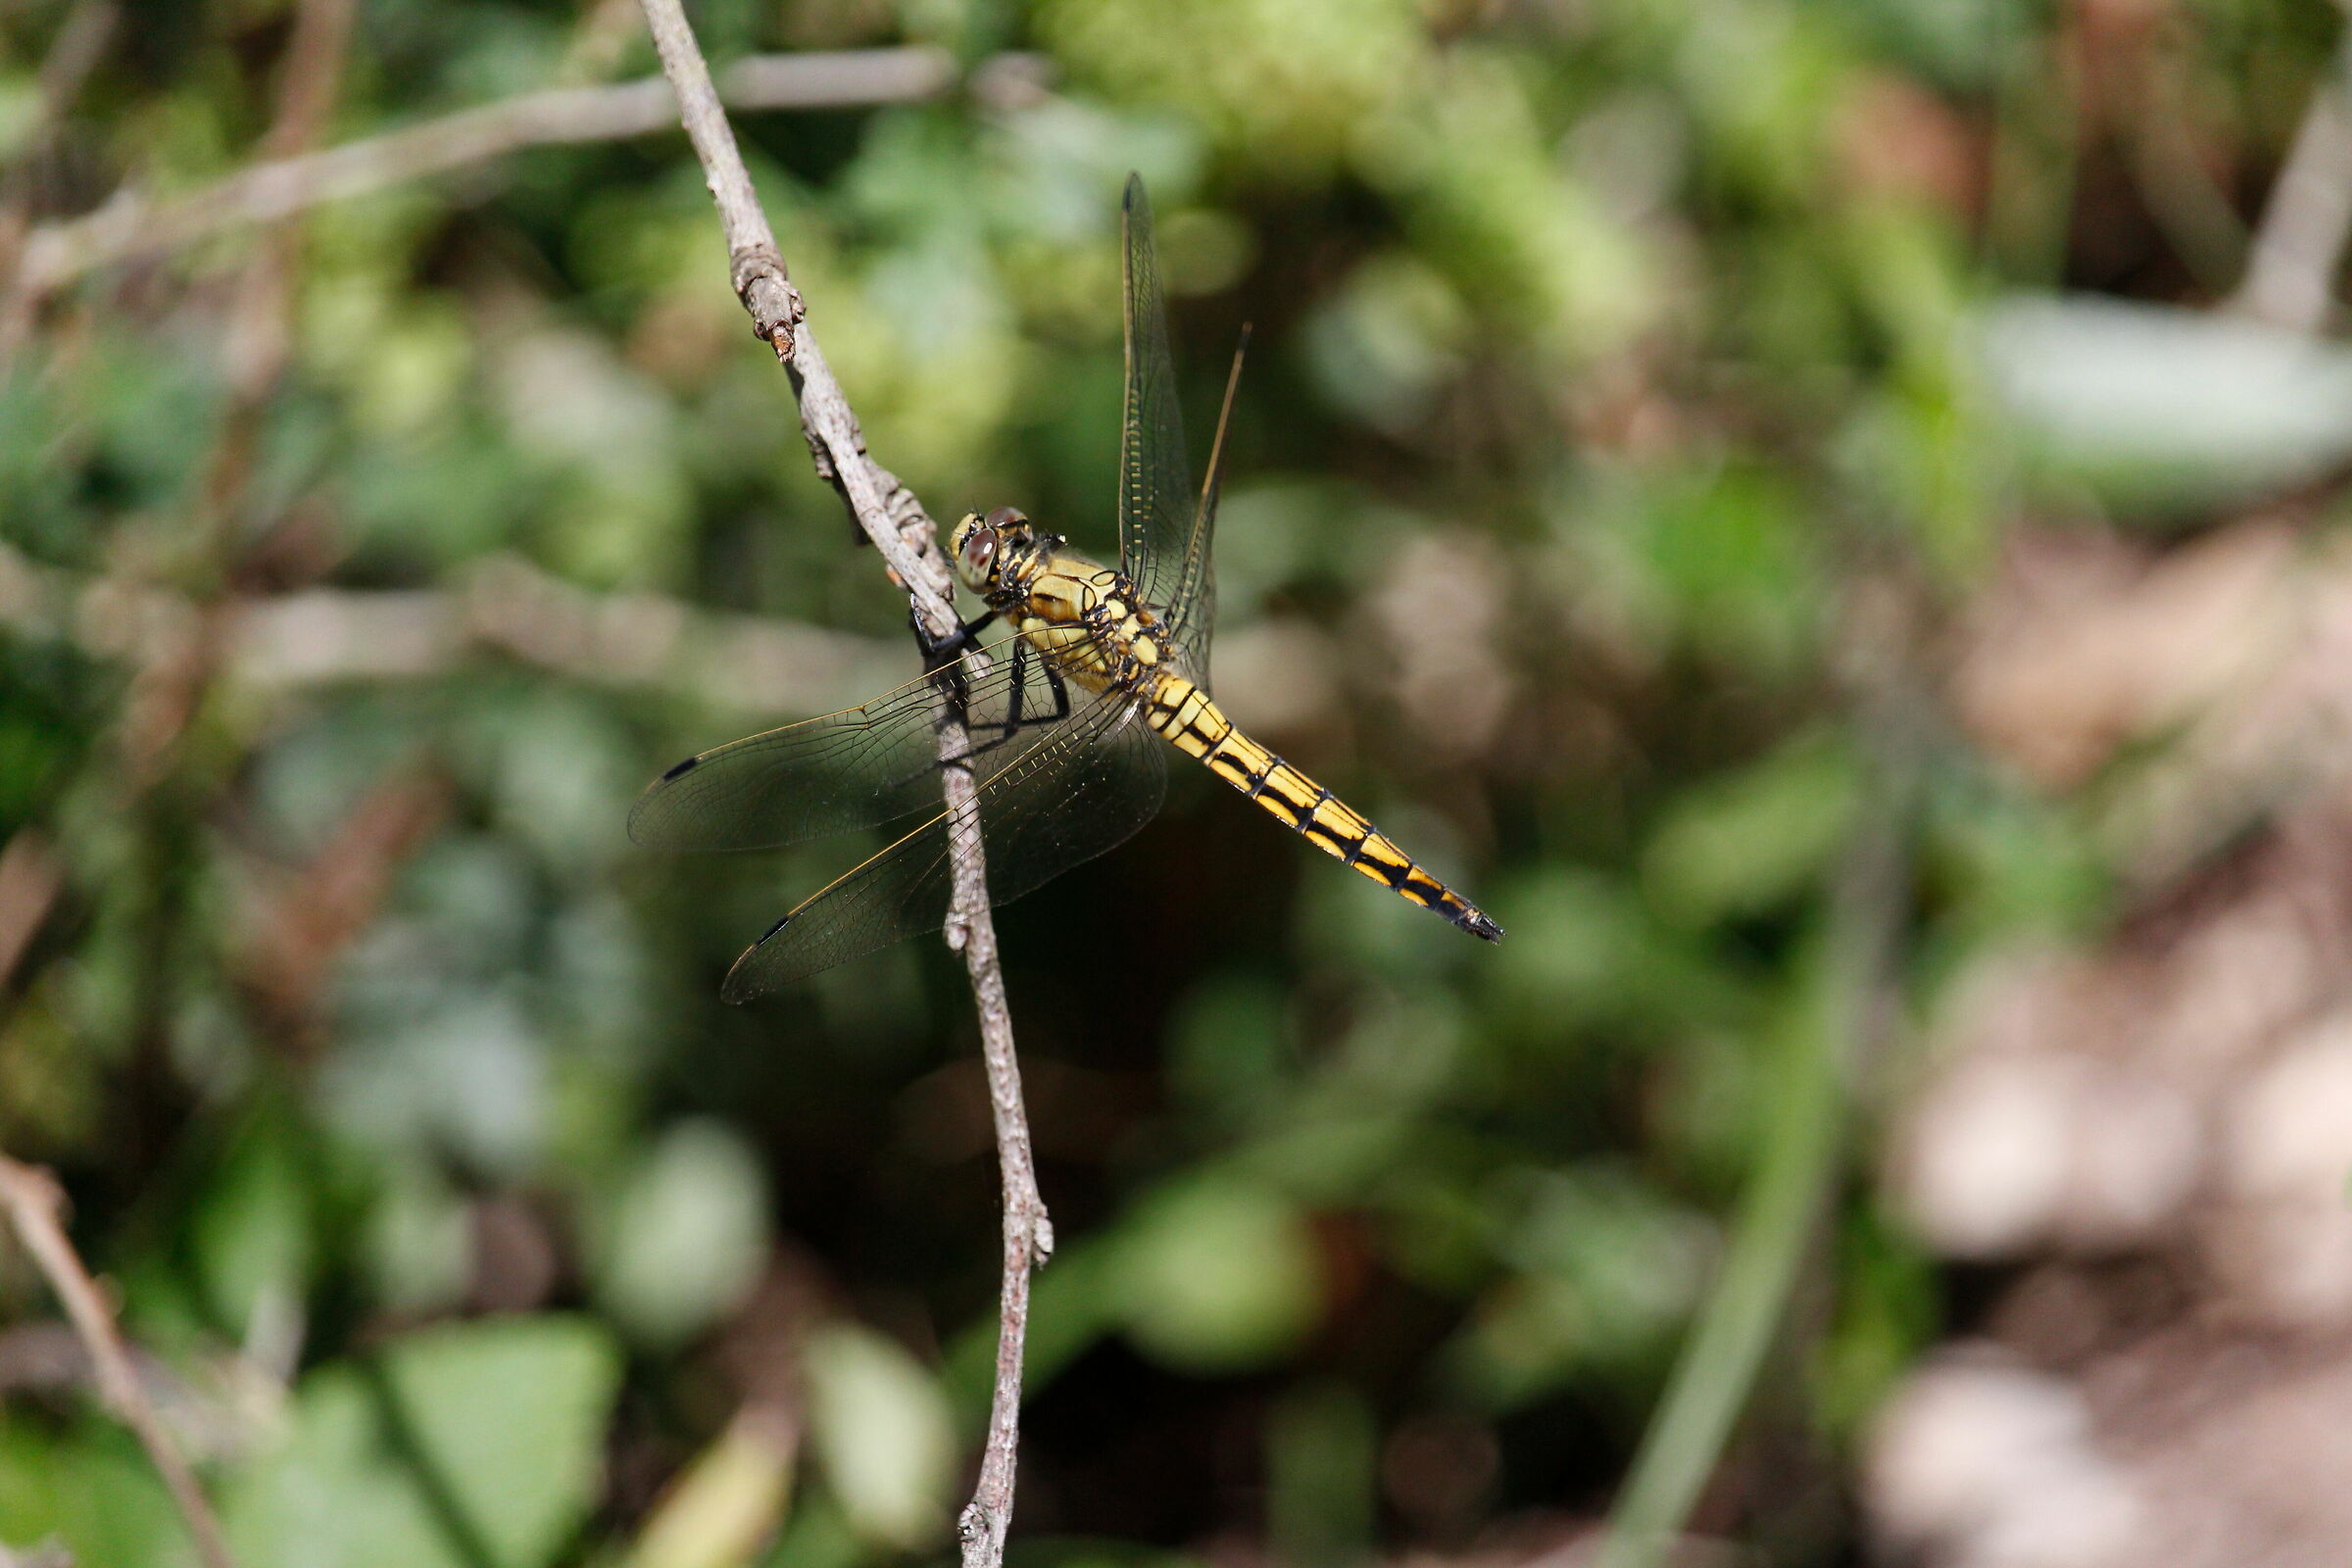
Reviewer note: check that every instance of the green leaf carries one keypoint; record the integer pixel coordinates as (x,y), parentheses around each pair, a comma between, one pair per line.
(90,1488)
(684,1235)
(252,1231)
(1217,1275)
(2159,406)
(1739,844)
(472,1444)
(881,1425)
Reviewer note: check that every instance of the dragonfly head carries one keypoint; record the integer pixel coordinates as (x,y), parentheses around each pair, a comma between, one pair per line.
(982,545)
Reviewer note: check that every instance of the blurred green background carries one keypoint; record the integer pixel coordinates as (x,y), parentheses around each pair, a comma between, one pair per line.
(1641,394)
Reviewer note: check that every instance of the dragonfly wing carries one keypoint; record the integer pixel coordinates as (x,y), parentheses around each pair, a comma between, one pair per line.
(1086,787)
(1163,526)
(846,770)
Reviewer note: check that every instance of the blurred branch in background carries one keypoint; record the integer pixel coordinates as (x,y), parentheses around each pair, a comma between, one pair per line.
(132,225)
(2299,245)
(79,44)
(28,882)
(318,912)
(2171,169)
(907,541)
(725,1506)
(36,1208)
(1835,1016)
(324,636)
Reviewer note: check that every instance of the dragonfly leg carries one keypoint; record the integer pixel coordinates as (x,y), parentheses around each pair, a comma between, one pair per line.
(1014,720)
(955,642)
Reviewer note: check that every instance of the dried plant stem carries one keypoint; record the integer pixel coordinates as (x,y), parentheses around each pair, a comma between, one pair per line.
(36,1208)
(30,879)
(79,44)
(1845,1004)
(2291,264)
(895,520)
(132,225)
(499,605)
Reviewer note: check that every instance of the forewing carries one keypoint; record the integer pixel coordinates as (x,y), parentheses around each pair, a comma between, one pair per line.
(855,768)
(1163,528)
(1085,788)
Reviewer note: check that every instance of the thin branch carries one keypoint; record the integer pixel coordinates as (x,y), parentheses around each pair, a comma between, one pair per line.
(1843,1007)
(81,43)
(30,879)
(258,342)
(36,1208)
(753,264)
(2170,169)
(907,541)
(312,77)
(132,225)
(2291,266)
(499,605)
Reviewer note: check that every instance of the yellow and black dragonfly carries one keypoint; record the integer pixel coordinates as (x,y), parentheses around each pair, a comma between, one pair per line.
(1067,713)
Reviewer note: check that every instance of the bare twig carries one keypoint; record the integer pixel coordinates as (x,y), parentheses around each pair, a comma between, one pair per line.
(896,523)
(29,878)
(132,225)
(79,44)
(312,77)
(753,264)
(36,1208)
(2169,167)
(303,921)
(166,692)
(2299,244)
(1843,1008)
(75,52)
(502,604)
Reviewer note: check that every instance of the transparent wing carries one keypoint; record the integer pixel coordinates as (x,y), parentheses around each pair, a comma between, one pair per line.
(846,770)
(1085,788)
(1163,528)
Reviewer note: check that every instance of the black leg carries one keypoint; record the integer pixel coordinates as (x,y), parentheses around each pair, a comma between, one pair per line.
(954,642)
(1011,724)
(1015,719)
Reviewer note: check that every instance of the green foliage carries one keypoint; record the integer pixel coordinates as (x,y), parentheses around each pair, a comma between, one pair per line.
(881,1428)
(89,1488)
(464,1445)
(1216,1276)
(1607,356)
(683,1235)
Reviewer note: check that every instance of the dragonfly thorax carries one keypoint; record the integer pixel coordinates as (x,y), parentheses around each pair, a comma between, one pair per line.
(1088,620)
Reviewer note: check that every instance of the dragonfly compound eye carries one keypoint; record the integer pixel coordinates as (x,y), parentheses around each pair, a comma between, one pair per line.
(978,555)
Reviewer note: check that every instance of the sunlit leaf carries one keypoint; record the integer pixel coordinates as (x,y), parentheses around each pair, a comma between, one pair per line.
(471,1444)
(882,1430)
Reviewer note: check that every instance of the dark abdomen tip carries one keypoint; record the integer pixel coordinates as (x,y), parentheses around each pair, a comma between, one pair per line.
(1478,926)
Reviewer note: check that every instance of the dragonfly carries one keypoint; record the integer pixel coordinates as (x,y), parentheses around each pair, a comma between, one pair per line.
(1070,711)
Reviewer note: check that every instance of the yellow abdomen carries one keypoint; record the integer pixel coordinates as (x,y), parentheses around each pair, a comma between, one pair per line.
(1199,727)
